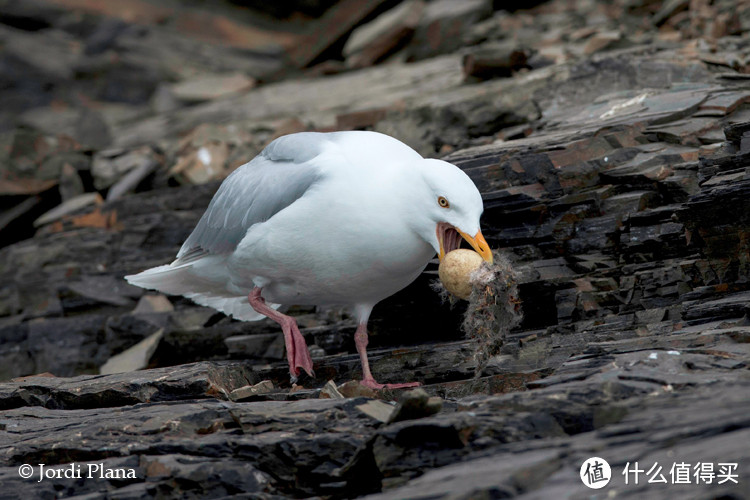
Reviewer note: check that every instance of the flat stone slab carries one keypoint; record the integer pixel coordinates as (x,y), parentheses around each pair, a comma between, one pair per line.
(198,380)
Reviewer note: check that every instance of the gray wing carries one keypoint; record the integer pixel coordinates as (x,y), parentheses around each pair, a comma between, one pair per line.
(253,193)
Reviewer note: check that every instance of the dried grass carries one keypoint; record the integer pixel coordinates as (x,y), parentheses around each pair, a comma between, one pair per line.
(494,307)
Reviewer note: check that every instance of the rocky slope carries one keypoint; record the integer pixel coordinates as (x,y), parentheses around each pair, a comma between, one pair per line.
(610,143)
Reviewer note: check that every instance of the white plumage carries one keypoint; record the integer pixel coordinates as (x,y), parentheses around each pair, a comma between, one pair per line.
(340,218)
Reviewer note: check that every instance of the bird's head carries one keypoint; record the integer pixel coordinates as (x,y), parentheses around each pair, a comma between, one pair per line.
(450,207)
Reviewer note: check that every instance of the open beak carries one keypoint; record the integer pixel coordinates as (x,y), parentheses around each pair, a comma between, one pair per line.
(449,241)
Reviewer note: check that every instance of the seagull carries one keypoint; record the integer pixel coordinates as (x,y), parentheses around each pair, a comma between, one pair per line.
(339,218)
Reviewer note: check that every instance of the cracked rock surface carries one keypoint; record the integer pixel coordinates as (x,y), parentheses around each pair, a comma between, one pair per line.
(610,142)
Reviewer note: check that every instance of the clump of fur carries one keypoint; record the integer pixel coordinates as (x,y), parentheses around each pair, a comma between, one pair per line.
(494,307)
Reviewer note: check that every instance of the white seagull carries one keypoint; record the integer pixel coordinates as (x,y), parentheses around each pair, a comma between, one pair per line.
(341,218)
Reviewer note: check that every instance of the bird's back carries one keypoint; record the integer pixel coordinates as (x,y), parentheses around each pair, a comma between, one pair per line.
(271,225)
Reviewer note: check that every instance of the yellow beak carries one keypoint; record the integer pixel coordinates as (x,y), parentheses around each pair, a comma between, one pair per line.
(477,242)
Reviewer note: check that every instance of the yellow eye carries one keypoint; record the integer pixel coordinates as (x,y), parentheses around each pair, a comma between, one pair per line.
(443,202)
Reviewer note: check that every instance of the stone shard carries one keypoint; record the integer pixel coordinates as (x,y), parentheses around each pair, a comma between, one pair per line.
(493,60)
(378,410)
(134,358)
(110,166)
(250,392)
(439,30)
(211,87)
(334,24)
(376,40)
(75,204)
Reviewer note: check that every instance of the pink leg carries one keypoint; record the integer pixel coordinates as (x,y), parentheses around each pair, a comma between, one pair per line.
(296,347)
(360,338)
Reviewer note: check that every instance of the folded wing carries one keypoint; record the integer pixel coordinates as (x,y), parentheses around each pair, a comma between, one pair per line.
(280,175)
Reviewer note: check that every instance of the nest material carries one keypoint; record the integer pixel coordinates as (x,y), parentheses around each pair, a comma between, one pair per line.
(494,308)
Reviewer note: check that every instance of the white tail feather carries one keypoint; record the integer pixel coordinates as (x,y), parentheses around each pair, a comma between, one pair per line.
(179,280)
(236,307)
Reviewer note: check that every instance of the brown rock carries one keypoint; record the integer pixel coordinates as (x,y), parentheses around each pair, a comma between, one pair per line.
(360,119)
(335,23)
(68,207)
(602,41)
(250,392)
(493,60)
(442,24)
(208,87)
(330,391)
(723,103)
(375,40)
(353,389)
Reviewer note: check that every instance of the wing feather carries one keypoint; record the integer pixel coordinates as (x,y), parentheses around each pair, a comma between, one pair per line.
(281,174)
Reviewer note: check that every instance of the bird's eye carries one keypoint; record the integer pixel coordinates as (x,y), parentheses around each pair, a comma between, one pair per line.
(443,202)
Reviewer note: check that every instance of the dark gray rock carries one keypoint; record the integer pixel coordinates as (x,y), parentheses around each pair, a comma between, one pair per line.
(199,380)
(439,31)
(614,174)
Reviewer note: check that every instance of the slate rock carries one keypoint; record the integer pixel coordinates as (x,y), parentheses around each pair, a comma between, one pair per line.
(493,60)
(109,166)
(377,39)
(198,380)
(605,176)
(442,23)
(134,358)
(211,87)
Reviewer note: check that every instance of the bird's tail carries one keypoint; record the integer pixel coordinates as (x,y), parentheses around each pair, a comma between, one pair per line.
(182,280)
(236,307)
